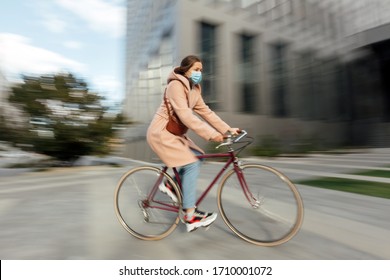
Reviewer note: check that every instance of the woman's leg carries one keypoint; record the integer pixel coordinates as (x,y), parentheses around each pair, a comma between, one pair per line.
(189,176)
(193,217)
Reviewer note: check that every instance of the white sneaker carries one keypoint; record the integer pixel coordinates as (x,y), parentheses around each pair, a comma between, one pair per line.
(199,219)
(166,188)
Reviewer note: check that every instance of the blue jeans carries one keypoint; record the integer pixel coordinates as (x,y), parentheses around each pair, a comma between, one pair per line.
(189,174)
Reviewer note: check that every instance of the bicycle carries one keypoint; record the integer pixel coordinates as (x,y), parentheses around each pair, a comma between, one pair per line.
(257,202)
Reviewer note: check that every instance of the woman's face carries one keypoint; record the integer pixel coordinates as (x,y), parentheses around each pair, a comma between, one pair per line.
(196,67)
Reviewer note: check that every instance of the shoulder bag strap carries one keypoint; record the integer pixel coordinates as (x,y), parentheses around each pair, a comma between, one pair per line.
(165,99)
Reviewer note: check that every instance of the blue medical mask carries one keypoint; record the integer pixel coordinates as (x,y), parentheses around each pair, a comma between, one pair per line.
(196,77)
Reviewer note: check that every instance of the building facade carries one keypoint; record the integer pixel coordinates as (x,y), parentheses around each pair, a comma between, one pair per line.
(4,94)
(3,90)
(297,71)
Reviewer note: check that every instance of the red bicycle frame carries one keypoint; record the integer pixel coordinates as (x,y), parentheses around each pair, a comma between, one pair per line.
(231,159)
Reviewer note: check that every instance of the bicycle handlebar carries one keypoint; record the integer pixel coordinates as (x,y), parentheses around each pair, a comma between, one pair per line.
(230,139)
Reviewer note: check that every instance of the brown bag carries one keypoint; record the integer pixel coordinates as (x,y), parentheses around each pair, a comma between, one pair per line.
(174,125)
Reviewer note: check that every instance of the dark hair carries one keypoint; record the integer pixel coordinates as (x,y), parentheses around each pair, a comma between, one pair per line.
(186,64)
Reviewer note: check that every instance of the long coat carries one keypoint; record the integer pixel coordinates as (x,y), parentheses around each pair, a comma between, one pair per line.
(175,150)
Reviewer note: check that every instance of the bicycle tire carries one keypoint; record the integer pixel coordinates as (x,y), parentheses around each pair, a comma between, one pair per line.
(139,211)
(273,218)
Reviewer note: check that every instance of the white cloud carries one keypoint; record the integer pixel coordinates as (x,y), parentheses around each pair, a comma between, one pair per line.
(73,45)
(18,56)
(109,86)
(101,15)
(54,24)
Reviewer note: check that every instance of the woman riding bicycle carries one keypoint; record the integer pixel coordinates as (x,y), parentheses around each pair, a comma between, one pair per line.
(183,98)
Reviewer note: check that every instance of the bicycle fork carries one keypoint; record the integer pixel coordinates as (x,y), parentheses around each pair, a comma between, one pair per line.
(253,201)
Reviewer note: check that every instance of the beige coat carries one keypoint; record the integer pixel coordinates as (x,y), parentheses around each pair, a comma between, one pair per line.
(175,150)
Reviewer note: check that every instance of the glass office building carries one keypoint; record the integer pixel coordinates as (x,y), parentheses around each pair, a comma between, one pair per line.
(293,70)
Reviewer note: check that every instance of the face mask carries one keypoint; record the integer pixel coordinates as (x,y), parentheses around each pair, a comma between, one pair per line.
(196,77)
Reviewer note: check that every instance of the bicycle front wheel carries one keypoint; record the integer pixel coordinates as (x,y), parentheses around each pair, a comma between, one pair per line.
(143,210)
(260,205)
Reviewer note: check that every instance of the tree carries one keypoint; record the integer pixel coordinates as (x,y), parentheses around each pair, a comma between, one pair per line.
(64,119)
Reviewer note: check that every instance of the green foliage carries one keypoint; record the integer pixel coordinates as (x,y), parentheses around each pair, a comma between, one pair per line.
(268,147)
(375,189)
(63,118)
(271,146)
(375,173)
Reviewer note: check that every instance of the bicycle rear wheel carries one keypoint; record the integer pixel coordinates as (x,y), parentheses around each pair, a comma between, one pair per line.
(269,213)
(143,210)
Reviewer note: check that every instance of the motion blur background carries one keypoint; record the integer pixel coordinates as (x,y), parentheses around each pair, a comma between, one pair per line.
(80,79)
(299,75)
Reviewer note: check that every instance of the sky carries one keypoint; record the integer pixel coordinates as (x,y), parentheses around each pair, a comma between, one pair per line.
(82,37)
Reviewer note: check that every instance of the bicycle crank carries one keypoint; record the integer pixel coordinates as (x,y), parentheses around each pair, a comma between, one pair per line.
(257,202)
(144,212)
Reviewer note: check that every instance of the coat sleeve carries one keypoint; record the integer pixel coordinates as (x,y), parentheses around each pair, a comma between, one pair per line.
(178,99)
(210,116)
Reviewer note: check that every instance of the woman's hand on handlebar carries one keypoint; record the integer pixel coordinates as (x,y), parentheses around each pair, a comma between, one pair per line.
(234,131)
(217,138)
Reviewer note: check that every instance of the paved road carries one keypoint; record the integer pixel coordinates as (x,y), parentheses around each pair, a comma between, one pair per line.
(68,214)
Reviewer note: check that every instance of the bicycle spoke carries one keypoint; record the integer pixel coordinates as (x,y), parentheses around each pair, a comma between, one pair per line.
(142,209)
(273,213)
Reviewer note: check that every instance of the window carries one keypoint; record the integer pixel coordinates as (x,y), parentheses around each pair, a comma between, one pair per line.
(248,74)
(208,49)
(278,73)
(306,76)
